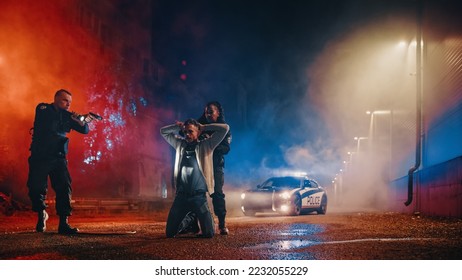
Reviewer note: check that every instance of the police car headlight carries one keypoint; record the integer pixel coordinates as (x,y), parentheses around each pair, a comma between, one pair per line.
(243,195)
(284,195)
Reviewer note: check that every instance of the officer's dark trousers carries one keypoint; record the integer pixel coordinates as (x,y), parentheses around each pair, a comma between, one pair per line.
(60,178)
(184,203)
(218,197)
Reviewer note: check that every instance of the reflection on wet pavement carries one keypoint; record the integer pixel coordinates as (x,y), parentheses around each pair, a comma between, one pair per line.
(281,249)
(285,244)
(377,240)
(300,230)
(291,256)
(304,235)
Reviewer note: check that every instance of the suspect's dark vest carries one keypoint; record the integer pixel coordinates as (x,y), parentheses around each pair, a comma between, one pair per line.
(191,181)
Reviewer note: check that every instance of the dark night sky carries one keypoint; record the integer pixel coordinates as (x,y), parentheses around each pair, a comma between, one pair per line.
(264,48)
(295,77)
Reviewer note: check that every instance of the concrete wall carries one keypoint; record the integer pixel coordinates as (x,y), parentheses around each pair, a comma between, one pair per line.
(437,191)
(440,189)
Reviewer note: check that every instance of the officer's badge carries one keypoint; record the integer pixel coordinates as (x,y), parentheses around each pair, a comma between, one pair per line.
(43,107)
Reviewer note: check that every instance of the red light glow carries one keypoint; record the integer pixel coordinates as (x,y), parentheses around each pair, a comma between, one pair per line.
(44,48)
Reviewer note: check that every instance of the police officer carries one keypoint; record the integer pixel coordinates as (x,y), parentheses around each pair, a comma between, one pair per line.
(214,113)
(48,158)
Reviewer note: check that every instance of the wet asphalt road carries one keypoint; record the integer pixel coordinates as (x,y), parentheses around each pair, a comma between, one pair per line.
(335,236)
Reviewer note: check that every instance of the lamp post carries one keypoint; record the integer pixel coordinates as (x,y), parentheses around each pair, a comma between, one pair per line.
(338,181)
(335,185)
(358,139)
(350,154)
(372,126)
(372,134)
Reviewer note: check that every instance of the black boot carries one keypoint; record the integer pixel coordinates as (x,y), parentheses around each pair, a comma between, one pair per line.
(42,221)
(222,227)
(189,224)
(64,227)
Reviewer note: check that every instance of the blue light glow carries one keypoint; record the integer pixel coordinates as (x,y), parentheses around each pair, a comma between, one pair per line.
(143,101)
(109,144)
(132,107)
(117,120)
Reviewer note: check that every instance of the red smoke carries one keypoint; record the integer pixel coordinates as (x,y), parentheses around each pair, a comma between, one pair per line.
(43,48)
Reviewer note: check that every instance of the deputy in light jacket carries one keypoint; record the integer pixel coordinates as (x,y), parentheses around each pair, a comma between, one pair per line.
(193,172)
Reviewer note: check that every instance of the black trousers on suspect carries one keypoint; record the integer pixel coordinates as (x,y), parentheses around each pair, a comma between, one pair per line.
(184,203)
(37,182)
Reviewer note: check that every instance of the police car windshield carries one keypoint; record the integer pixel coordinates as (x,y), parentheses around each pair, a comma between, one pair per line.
(281,182)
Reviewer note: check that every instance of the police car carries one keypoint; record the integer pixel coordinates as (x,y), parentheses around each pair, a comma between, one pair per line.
(288,195)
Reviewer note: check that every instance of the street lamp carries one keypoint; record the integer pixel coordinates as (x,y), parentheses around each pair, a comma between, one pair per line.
(350,154)
(346,164)
(358,139)
(372,134)
(372,121)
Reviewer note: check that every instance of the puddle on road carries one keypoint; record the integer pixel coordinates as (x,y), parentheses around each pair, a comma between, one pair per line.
(300,230)
(377,239)
(299,243)
(285,244)
(281,249)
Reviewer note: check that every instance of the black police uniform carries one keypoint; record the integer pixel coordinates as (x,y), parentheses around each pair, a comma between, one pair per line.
(48,157)
(218,197)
